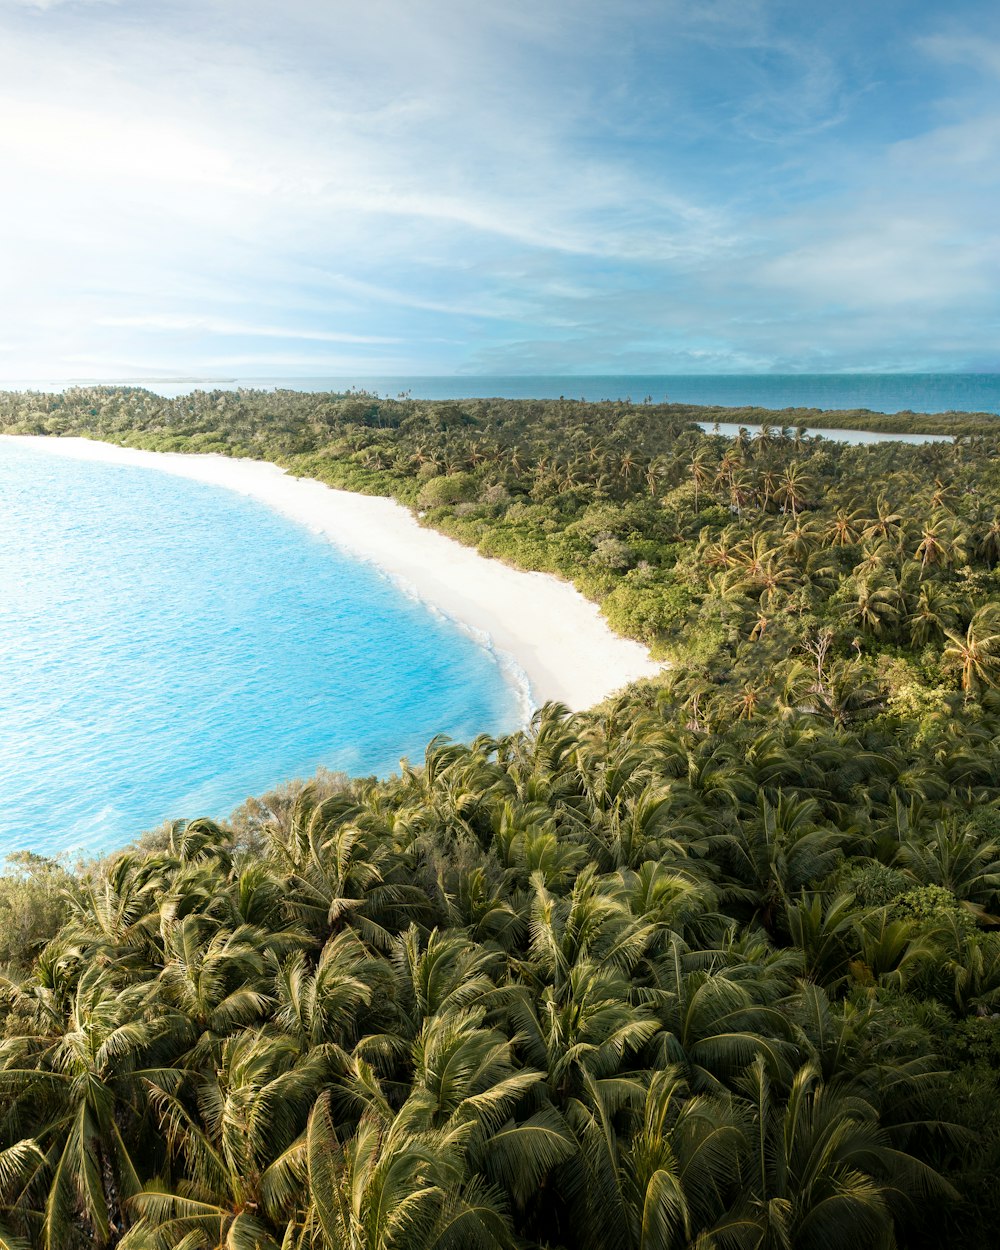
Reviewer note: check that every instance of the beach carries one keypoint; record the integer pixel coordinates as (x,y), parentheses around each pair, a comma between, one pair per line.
(541,626)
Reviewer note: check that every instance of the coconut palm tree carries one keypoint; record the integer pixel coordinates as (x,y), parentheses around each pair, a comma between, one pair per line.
(875,605)
(823,1172)
(886,522)
(932,614)
(976,653)
(962,860)
(394,1183)
(81,1085)
(236,1141)
(845,527)
(987,541)
(784,850)
(676,1174)
(715,1022)
(933,546)
(794,489)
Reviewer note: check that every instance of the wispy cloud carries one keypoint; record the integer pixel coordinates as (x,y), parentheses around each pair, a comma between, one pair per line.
(964,49)
(183,323)
(527,186)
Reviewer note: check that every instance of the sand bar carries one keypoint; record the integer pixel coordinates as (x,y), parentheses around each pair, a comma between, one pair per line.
(542,626)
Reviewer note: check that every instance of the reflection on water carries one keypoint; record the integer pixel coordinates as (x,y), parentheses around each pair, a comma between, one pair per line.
(729,429)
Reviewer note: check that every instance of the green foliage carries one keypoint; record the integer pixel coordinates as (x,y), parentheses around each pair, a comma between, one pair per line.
(648,609)
(447,488)
(930,907)
(590,985)
(34,902)
(876,885)
(976,1040)
(714,965)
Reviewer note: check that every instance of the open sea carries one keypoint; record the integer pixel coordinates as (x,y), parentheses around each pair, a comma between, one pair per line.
(168,648)
(881,392)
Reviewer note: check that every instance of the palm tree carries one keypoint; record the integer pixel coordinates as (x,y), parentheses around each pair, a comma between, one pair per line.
(394,1183)
(444,972)
(213,977)
(345,873)
(849,693)
(784,850)
(769,480)
(19,1166)
(765,437)
(941,542)
(318,1002)
(933,612)
(714,1025)
(976,653)
(794,489)
(627,465)
(700,474)
(676,1176)
(801,538)
(656,471)
(875,606)
(845,527)
(975,967)
(81,1085)
(722,551)
(963,861)
(118,914)
(987,544)
(823,1173)
(824,930)
(886,522)
(236,1137)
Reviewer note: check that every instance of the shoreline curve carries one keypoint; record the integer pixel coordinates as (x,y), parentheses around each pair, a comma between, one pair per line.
(541,626)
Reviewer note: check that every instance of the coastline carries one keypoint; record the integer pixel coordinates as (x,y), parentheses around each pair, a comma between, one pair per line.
(536,625)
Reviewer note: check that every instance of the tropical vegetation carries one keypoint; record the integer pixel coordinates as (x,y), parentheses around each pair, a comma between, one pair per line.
(716,964)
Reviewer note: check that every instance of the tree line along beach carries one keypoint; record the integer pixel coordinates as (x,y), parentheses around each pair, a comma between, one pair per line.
(715,952)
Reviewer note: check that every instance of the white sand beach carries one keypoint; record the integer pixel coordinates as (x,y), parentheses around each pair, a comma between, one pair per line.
(543,626)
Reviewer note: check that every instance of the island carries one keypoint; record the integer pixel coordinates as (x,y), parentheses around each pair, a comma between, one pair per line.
(712,963)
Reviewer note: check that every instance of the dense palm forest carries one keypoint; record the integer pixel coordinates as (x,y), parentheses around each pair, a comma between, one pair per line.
(714,965)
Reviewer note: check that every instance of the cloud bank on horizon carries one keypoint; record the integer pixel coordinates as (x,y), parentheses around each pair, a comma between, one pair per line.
(376,187)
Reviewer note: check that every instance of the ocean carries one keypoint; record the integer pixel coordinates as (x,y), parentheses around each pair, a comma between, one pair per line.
(880,392)
(168,648)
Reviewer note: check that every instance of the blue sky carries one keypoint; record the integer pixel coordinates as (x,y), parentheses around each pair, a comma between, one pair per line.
(245,187)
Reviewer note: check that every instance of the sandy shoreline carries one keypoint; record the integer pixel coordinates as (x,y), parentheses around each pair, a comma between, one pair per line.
(543,626)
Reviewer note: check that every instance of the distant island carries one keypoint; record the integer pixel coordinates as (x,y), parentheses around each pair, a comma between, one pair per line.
(712,964)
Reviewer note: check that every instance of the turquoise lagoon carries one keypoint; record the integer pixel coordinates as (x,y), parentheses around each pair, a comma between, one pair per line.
(168,648)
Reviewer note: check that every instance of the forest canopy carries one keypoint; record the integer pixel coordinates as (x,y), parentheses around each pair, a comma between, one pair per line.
(716,964)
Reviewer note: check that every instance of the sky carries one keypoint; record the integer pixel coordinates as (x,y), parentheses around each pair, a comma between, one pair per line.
(218,188)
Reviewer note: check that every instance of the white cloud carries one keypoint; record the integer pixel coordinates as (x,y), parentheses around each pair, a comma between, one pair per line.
(977,50)
(498,182)
(45,5)
(187,324)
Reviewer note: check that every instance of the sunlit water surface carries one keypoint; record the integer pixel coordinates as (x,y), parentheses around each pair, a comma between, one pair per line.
(168,648)
(880,392)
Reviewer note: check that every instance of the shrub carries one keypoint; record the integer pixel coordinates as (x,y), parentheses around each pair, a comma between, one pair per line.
(446,489)
(33,905)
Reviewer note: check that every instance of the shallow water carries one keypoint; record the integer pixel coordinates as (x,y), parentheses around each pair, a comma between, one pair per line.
(168,648)
(857,438)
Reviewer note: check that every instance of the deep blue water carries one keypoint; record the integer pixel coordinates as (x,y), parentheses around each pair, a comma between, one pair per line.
(168,648)
(881,392)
